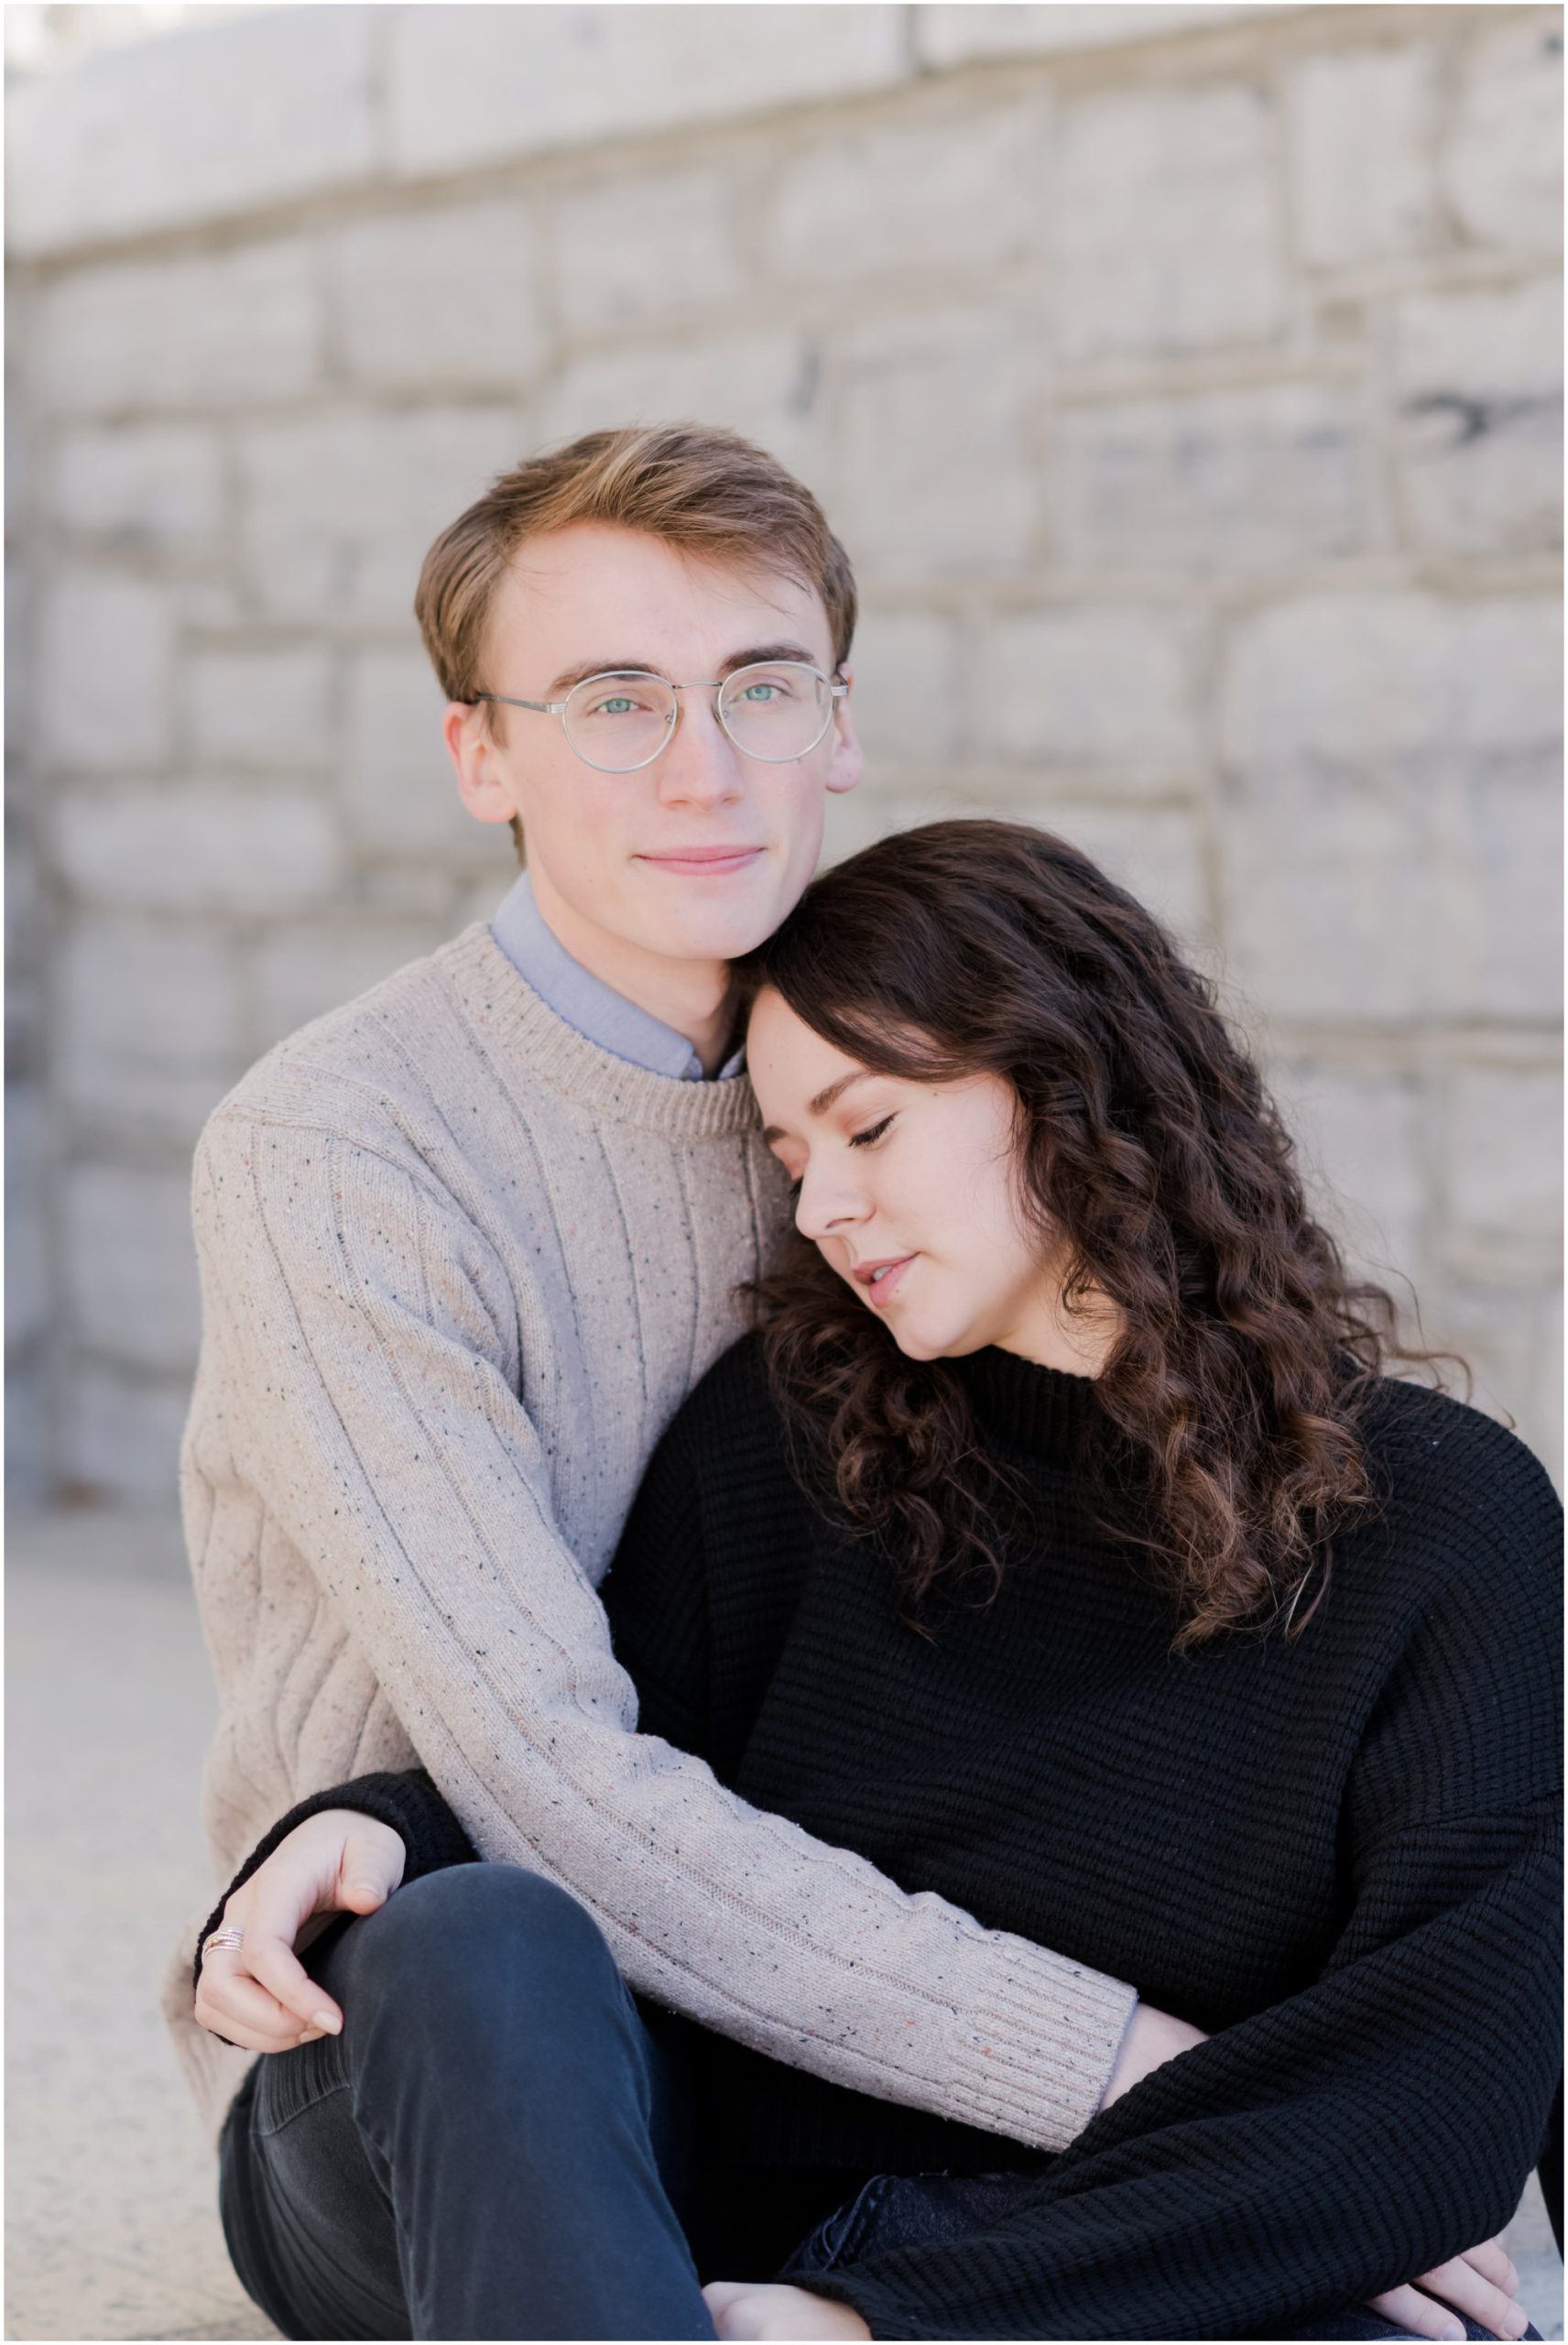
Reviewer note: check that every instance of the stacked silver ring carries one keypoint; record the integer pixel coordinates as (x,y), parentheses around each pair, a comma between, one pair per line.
(227,1940)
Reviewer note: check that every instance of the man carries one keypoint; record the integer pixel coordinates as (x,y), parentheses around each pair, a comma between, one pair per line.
(465,1245)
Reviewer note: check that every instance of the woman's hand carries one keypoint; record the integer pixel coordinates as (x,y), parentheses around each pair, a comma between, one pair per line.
(1480,2282)
(261,1996)
(759,2308)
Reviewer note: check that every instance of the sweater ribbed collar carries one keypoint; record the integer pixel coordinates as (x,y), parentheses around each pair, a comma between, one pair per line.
(1043,1411)
(518,1027)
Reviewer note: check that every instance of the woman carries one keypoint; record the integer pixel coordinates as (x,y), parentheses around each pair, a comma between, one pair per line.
(1058,1543)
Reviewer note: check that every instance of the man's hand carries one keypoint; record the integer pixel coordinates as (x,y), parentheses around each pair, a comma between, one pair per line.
(1152,2038)
(261,1996)
(757,2308)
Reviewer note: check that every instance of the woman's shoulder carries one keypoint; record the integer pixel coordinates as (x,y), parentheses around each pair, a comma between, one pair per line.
(1461,1496)
(730,1421)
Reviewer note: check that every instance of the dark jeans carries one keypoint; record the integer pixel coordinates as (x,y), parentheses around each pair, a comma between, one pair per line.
(491,2148)
(912,2210)
(499,2145)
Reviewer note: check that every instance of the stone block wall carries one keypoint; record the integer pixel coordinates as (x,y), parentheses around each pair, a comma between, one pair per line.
(1185,381)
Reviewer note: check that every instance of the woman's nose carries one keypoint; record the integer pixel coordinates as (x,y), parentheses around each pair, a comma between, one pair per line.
(827,1207)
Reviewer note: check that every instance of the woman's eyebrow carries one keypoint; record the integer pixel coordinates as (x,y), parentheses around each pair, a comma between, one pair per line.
(824,1100)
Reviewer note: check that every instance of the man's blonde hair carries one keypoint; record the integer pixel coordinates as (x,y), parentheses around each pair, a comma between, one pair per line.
(694,485)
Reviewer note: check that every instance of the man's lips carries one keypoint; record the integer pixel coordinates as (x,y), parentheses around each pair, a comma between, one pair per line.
(881,1279)
(703,858)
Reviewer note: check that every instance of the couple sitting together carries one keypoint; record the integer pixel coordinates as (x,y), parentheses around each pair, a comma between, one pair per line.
(937,1750)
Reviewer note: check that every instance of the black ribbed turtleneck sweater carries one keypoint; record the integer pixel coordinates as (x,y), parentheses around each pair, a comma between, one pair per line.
(1338,1854)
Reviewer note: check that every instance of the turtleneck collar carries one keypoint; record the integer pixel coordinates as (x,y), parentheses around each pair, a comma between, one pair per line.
(1042,1410)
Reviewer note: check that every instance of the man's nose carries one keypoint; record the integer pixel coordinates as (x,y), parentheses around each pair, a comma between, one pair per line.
(702,765)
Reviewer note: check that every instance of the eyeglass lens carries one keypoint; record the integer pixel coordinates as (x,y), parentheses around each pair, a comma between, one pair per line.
(775,711)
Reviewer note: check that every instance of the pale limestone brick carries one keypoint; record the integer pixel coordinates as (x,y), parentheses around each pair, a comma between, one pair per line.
(1361,1147)
(198,847)
(908,197)
(1371,743)
(1217,482)
(261,707)
(907,688)
(1154,852)
(399,789)
(24,933)
(130,1263)
(1510,1335)
(1505,1159)
(481,898)
(29,1297)
(1102,692)
(1502,165)
(305,967)
(1502,729)
(937,470)
(764,385)
(120,1438)
(955,34)
(1362,130)
(1168,236)
(1478,377)
(1333,907)
(643,248)
(177,332)
(155,486)
(106,670)
(476,85)
(198,125)
(148,1023)
(426,890)
(447,298)
(338,509)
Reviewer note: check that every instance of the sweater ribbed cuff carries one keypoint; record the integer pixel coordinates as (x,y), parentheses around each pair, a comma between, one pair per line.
(1038,2065)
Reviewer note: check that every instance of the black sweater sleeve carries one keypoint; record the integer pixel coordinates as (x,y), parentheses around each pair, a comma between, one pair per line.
(1382,2120)
(408,1802)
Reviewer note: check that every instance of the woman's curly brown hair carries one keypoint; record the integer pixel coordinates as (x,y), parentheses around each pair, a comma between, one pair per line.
(1230,1403)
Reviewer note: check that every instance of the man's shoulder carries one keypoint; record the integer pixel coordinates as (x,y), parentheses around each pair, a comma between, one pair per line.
(358,1069)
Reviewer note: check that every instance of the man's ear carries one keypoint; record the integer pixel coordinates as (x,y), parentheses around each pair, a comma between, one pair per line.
(482,783)
(848,761)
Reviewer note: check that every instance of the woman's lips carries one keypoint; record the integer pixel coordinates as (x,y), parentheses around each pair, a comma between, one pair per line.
(705,861)
(882,1282)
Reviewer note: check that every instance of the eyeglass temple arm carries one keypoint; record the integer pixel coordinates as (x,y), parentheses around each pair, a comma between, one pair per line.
(543,707)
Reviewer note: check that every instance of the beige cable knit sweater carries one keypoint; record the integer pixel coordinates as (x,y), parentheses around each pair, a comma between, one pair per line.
(459,1268)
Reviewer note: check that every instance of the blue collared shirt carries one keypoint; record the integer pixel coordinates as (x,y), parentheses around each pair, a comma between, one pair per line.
(596,1010)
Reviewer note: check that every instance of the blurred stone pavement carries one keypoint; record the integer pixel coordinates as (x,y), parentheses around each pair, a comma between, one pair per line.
(111,2231)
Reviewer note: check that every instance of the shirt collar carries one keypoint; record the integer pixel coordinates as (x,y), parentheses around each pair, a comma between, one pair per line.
(593,1008)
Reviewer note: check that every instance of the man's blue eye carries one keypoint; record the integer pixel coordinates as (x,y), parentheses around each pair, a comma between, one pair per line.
(760,691)
(617,708)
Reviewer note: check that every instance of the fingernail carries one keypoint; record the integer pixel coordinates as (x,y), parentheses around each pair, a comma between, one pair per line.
(329,2023)
(1451,2329)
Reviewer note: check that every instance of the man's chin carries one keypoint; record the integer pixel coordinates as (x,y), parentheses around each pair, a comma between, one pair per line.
(713,932)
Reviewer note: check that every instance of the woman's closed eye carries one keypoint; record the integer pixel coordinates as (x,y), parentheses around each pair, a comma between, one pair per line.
(873,1133)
